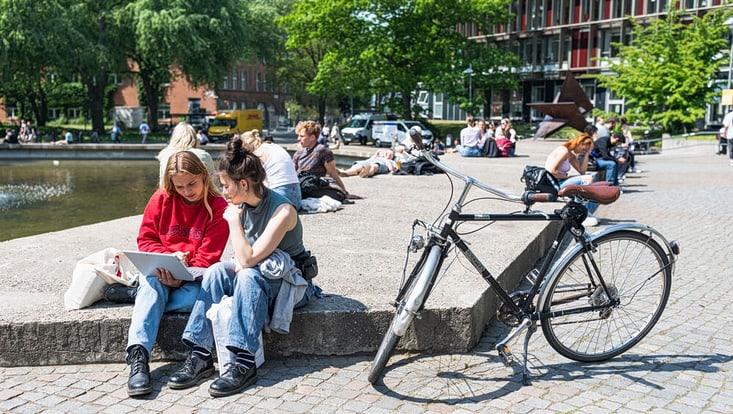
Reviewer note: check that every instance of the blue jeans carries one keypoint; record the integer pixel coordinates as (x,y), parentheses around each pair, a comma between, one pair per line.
(253,295)
(291,192)
(611,169)
(578,180)
(469,151)
(152,300)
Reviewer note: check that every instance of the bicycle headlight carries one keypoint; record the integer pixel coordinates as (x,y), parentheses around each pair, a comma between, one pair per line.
(416,243)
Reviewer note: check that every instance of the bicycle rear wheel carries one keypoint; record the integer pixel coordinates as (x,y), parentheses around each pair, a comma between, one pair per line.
(635,269)
(411,299)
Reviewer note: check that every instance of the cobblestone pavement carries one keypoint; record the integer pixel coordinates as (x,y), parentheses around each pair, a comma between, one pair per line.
(683,366)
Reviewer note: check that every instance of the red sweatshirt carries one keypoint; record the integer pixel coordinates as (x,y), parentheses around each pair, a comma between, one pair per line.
(170,225)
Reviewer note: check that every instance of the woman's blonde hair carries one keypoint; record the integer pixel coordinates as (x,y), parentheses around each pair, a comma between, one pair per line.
(183,137)
(578,140)
(251,140)
(189,163)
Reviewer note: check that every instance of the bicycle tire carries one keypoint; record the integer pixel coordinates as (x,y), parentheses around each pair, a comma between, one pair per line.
(636,270)
(391,338)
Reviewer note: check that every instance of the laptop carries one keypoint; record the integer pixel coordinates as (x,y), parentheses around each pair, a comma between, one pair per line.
(147,262)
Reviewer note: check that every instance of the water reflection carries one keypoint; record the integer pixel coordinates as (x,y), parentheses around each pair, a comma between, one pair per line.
(42,196)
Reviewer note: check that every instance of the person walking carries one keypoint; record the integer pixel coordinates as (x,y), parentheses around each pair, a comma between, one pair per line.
(116,133)
(728,132)
(144,131)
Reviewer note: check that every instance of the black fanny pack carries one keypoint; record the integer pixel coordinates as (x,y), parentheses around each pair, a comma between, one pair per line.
(307,264)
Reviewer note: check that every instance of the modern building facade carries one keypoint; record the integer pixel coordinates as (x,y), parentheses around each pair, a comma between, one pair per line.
(555,37)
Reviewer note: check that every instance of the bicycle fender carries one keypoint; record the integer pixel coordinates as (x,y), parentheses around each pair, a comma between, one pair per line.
(637,227)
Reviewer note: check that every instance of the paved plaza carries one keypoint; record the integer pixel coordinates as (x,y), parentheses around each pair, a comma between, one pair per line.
(683,366)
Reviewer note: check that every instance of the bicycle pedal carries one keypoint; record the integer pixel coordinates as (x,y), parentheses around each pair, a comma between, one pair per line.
(505,354)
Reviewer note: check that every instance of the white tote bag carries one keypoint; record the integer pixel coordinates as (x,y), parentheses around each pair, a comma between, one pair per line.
(93,273)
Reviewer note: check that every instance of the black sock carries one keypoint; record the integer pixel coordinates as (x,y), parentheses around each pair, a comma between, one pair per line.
(246,359)
(202,352)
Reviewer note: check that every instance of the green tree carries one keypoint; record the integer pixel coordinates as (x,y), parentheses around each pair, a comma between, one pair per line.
(199,40)
(30,53)
(92,50)
(665,73)
(388,47)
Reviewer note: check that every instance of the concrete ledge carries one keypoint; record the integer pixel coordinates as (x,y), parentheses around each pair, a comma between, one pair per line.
(360,251)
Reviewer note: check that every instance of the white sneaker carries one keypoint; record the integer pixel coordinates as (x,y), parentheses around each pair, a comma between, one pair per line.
(590,221)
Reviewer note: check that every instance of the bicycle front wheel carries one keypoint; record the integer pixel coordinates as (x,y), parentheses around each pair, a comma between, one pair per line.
(410,300)
(635,270)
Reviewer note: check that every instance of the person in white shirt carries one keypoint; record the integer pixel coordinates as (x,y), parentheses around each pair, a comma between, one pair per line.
(728,132)
(144,131)
(471,140)
(279,168)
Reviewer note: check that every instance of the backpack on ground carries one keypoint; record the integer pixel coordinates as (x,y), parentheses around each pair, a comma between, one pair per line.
(312,186)
(490,149)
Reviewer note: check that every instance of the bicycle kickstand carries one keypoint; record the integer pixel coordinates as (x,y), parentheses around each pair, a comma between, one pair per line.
(525,372)
(507,356)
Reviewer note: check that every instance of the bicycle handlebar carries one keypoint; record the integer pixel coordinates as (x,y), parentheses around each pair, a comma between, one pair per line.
(417,142)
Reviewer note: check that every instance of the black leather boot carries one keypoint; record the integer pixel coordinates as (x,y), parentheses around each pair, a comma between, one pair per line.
(139,382)
(235,380)
(119,293)
(193,370)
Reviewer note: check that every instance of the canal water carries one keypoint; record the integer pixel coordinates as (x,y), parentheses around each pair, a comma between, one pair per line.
(44,196)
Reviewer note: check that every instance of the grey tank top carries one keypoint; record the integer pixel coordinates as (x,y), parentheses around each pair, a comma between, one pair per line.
(255,219)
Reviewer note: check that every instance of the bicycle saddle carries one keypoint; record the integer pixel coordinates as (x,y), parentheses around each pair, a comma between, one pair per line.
(601,192)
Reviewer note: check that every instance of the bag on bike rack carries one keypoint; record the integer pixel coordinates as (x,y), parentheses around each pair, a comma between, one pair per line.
(538,180)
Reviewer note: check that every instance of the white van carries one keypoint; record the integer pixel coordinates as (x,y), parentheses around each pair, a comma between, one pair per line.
(360,128)
(384,132)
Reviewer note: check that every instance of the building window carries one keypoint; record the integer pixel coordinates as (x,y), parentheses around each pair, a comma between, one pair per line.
(438,106)
(515,105)
(53,113)
(225,83)
(550,50)
(258,81)
(596,12)
(113,79)
(73,113)
(164,111)
(538,95)
(234,80)
(497,106)
(243,83)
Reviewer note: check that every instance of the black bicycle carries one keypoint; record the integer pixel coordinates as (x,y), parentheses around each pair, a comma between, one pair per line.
(595,298)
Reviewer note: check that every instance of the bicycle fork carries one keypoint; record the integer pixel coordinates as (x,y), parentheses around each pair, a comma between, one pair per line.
(416,298)
(506,355)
